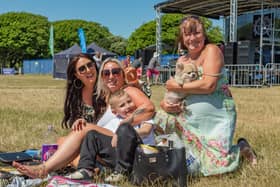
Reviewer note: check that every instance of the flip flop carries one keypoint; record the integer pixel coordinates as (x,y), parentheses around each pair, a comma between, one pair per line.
(247,151)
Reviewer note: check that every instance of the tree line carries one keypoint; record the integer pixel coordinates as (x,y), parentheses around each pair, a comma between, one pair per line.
(26,36)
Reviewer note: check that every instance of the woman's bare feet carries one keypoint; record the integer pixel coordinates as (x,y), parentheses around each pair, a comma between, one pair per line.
(247,151)
(38,171)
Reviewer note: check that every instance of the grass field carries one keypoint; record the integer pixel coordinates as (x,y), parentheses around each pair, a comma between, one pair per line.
(28,104)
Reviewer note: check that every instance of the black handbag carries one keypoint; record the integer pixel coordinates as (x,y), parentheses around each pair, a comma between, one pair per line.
(168,165)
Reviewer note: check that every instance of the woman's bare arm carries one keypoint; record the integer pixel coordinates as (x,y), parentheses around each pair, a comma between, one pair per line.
(145,129)
(84,127)
(145,108)
(212,64)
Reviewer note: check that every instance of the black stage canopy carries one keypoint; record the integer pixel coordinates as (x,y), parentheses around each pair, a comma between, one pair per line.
(213,8)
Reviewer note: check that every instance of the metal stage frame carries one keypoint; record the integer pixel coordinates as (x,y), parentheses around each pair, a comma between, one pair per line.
(220,9)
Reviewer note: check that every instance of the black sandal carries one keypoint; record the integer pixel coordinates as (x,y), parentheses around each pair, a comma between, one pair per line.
(247,151)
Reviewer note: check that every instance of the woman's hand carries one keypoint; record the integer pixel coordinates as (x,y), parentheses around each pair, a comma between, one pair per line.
(79,124)
(170,108)
(114,140)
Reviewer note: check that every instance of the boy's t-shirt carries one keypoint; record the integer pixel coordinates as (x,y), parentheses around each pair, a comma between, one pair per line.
(114,123)
(105,119)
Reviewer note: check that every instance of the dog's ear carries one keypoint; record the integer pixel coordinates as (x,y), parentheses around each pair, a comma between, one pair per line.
(179,67)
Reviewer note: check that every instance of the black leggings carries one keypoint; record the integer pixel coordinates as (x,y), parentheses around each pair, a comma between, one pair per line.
(120,158)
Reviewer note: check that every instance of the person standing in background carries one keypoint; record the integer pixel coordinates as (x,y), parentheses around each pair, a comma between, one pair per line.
(98,59)
(137,64)
(151,70)
(221,45)
(126,62)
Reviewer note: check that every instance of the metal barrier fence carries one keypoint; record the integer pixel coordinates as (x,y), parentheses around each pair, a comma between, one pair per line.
(245,75)
(272,74)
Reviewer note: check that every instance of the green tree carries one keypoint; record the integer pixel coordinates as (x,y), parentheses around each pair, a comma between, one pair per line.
(118,45)
(214,34)
(145,35)
(23,36)
(66,34)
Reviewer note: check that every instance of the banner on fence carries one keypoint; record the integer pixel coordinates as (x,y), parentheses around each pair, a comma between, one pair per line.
(8,71)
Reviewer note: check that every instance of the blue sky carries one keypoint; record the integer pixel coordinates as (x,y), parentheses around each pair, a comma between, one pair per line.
(122,17)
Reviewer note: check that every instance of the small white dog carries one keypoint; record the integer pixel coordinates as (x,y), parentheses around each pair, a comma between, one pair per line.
(184,73)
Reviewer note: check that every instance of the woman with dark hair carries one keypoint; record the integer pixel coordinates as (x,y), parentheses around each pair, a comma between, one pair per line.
(208,126)
(111,79)
(80,103)
(80,86)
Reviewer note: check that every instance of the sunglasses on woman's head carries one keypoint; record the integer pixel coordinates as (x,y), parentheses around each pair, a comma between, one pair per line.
(113,71)
(83,69)
(190,17)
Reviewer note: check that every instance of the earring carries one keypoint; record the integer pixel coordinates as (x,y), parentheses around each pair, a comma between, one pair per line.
(78,84)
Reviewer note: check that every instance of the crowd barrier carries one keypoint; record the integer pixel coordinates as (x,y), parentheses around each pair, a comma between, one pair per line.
(243,75)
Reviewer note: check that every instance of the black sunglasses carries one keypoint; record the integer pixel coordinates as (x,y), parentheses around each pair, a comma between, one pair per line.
(190,17)
(83,68)
(114,71)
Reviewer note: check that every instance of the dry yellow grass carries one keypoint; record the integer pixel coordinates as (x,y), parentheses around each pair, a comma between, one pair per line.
(29,103)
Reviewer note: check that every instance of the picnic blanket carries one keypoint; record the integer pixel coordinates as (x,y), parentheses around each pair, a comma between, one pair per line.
(63,181)
(10,177)
(55,181)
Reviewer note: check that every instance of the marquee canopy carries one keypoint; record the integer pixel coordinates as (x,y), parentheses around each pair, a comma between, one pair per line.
(213,8)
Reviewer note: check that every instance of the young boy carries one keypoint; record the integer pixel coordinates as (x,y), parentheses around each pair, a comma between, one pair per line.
(124,109)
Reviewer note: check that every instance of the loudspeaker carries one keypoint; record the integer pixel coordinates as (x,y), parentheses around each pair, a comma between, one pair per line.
(138,53)
(146,56)
(246,52)
(231,53)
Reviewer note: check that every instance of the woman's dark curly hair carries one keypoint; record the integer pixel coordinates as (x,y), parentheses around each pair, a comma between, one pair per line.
(73,104)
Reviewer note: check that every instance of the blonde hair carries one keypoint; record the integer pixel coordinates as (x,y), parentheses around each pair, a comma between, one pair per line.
(102,90)
(115,97)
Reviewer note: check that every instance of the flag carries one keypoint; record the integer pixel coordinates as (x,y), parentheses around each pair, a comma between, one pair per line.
(51,43)
(82,40)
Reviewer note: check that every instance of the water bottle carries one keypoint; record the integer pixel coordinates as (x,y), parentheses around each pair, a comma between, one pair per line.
(49,145)
(50,135)
(193,164)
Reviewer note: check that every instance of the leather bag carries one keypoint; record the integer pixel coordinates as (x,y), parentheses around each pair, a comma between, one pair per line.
(168,165)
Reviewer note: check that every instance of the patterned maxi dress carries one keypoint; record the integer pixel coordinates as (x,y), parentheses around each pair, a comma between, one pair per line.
(207,129)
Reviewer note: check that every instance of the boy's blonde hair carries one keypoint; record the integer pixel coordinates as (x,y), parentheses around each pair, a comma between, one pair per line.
(114,97)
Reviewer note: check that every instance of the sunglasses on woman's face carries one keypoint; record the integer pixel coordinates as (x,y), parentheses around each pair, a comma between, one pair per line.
(83,69)
(113,71)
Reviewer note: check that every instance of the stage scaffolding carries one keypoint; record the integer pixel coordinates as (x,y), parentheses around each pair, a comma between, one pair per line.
(218,9)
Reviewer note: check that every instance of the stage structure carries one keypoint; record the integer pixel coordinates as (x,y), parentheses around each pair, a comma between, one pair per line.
(226,9)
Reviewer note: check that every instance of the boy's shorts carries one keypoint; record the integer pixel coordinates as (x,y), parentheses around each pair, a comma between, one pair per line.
(139,72)
(151,72)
